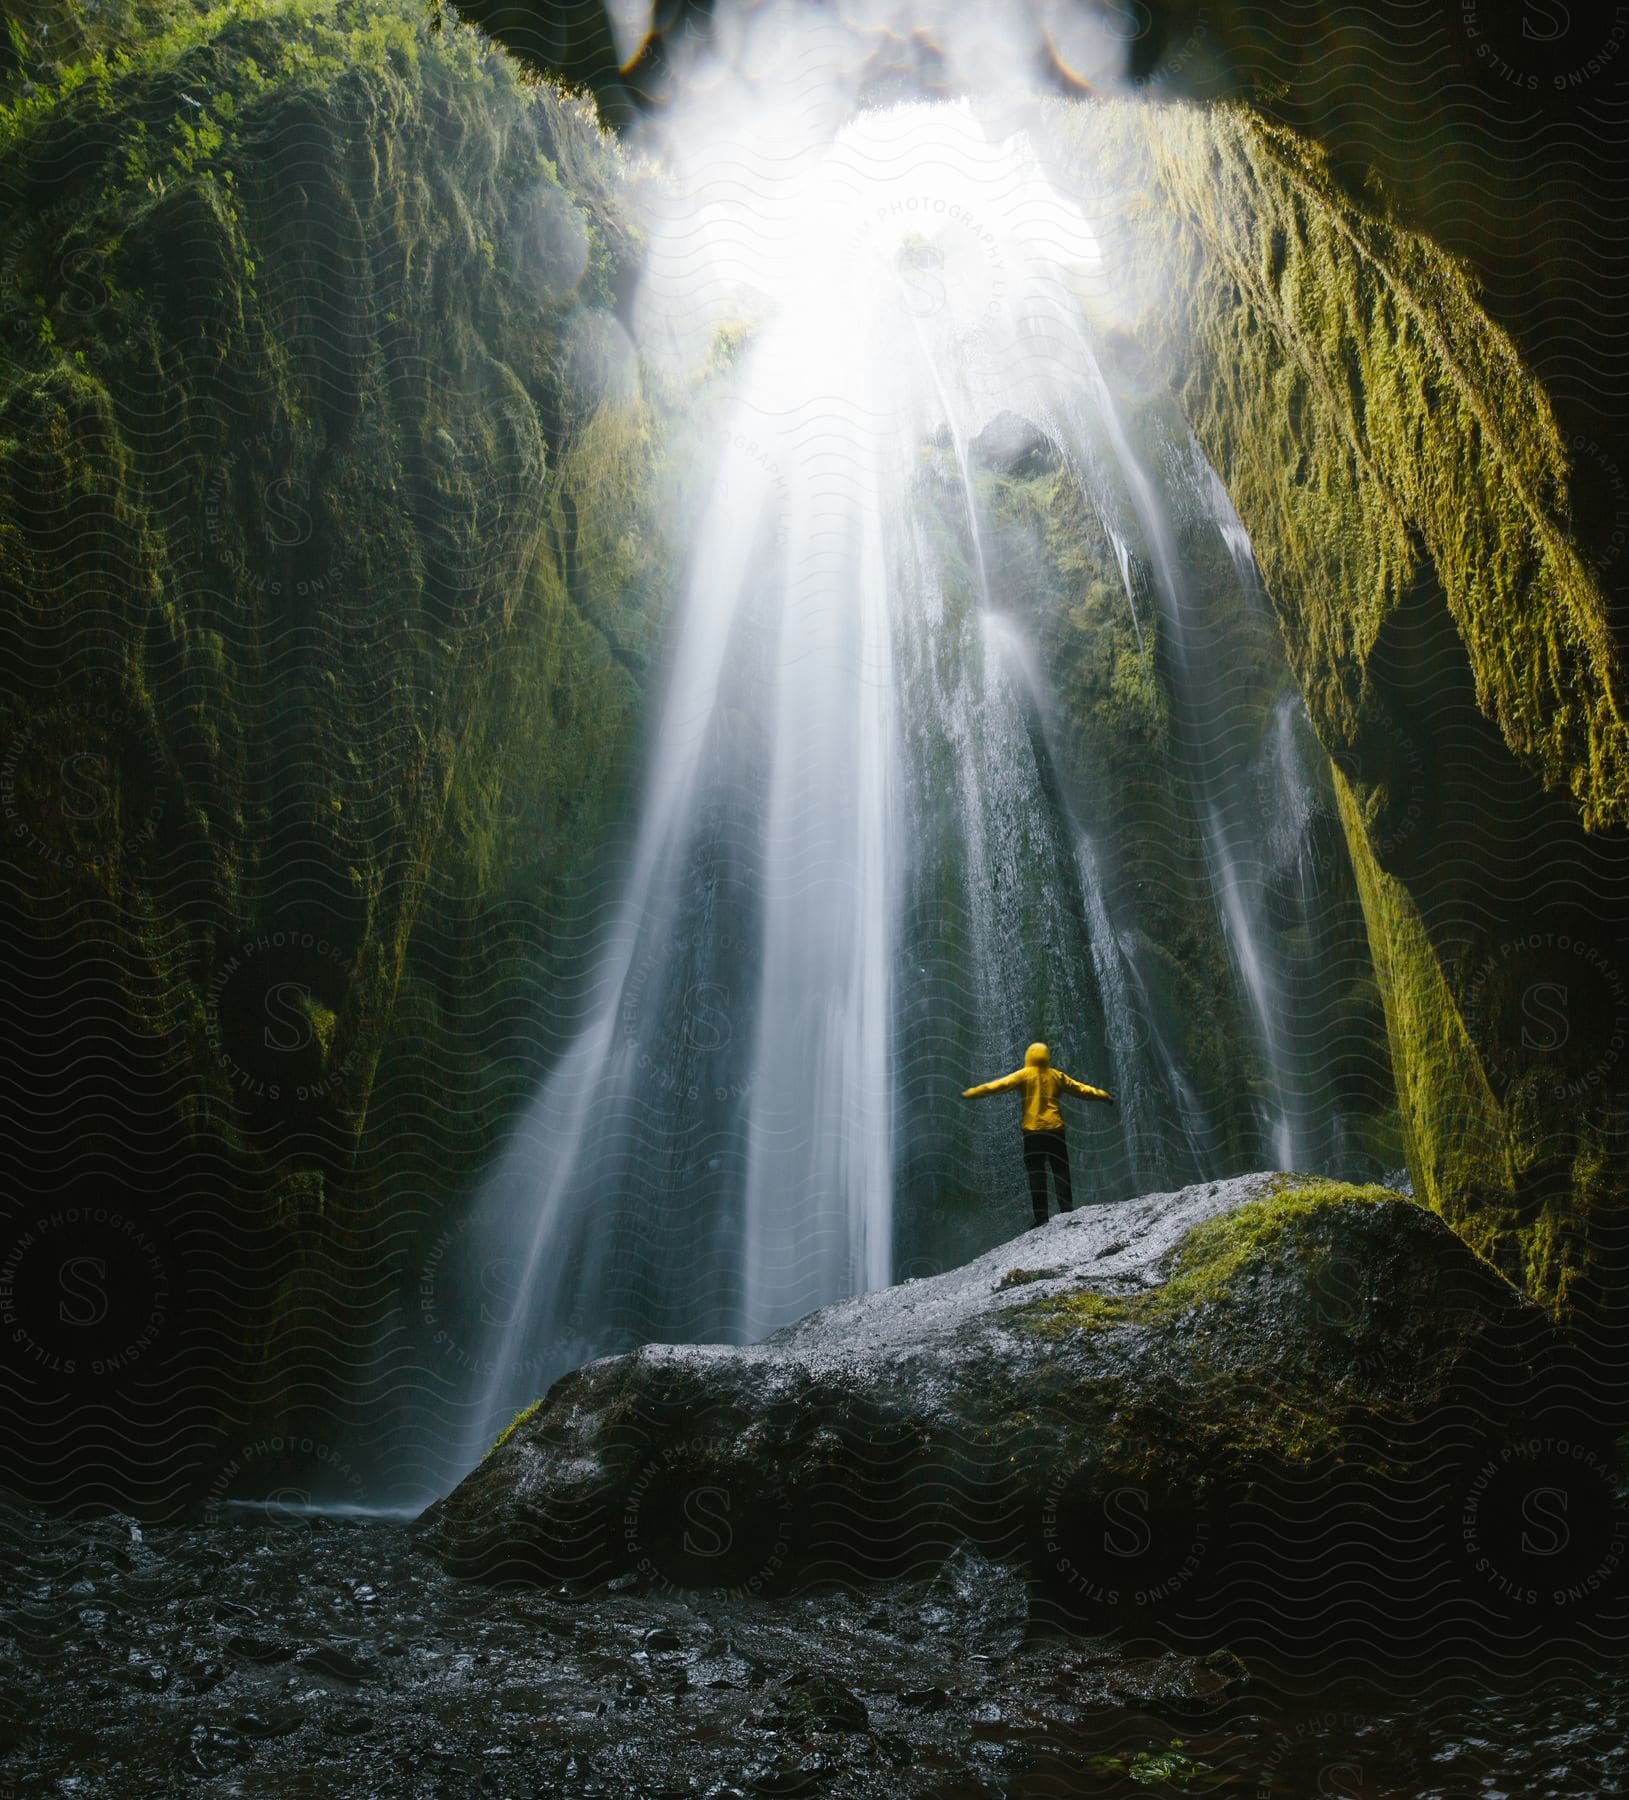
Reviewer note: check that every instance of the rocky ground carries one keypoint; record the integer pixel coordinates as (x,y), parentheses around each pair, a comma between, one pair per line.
(282,1655)
(1242,1491)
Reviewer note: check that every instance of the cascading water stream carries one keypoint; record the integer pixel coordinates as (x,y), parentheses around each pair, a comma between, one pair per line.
(773,1146)
(852,843)
(596,1088)
(1289,803)
(1145,1069)
(1149,1086)
(1219,766)
(819,1131)
(959,455)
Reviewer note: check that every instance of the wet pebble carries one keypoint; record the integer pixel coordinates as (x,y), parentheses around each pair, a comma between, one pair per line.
(259,1649)
(200,1677)
(271,1723)
(328,1659)
(210,1749)
(144,1677)
(348,1724)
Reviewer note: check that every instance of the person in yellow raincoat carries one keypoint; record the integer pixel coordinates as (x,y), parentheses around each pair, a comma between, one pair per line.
(1045,1146)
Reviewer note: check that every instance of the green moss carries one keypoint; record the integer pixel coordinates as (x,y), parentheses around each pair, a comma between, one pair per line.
(1366,414)
(1215,1254)
(1157,1768)
(525,1414)
(1458,1137)
(1404,482)
(1210,1263)
(729,341)
(361,635)
(323,1021)
(1085,1311)
(1225,1289)
(1022,1278)
(299,1200)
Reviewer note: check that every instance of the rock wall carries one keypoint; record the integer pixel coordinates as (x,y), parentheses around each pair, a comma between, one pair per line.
(1406,487)
(331,586)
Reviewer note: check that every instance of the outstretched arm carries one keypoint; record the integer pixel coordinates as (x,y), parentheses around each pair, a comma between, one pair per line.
(998,1086)
(1086,1093)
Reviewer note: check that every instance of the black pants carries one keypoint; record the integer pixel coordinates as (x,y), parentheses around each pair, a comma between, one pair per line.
(1045,1150)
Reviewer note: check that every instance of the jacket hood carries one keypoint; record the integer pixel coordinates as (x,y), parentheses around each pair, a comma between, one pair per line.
(1036,1055)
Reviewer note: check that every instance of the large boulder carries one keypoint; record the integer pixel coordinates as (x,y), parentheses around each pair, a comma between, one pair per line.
(1264,1397)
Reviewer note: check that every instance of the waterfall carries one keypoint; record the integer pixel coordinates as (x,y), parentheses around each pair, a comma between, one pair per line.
(1294,798)
(609,1115)
(1291,792)
(1209,708)
(858,882)
(1152,1094)
(1153,1091)
(819,1136)
(1228,523)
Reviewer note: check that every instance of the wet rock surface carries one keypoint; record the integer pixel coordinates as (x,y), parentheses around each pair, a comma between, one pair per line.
(295,1655)
(1202,1407)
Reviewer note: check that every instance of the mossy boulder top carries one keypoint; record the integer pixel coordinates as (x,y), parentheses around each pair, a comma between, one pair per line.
(1140,1355)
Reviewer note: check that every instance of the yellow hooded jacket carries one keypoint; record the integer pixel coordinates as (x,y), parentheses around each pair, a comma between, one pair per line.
(1041,1085)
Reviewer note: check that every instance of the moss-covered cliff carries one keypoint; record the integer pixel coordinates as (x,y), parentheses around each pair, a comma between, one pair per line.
(331,587)
(1406,488)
